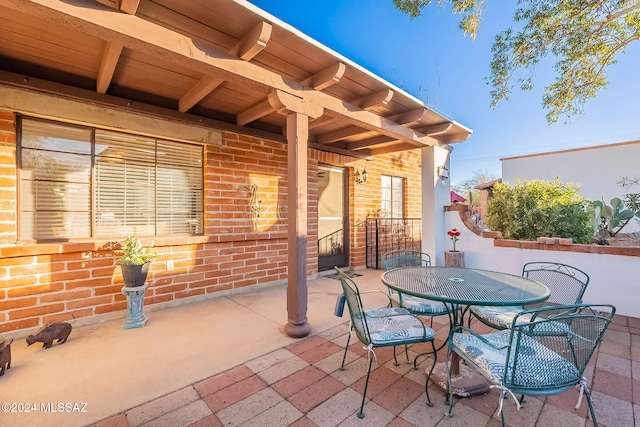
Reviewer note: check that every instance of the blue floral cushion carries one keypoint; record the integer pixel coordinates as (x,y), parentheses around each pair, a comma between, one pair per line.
(419,306)
(499,317)
(395,325)
(502,318)
(537,365)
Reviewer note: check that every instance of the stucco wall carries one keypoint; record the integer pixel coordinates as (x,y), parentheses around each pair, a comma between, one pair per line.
(614,276)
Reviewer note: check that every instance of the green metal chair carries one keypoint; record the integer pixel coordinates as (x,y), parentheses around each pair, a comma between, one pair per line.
(567,285)
(520,360)
(415,305)
(383,327)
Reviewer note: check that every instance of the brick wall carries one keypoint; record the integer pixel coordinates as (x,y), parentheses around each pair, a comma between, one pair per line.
(42,283)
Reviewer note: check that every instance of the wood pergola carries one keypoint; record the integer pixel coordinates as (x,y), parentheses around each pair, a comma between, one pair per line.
(222,64)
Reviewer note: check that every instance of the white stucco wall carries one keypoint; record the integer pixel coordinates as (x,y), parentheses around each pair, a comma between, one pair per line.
(596,170)
(614,279)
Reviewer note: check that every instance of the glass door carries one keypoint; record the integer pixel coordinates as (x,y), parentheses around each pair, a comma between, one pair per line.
(332,235)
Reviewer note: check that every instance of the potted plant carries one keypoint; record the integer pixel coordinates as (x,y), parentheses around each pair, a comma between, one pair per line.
(454,258)
(134,261)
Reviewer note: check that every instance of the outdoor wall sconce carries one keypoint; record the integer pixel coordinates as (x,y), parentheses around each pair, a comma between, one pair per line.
(443,173)
(360,178)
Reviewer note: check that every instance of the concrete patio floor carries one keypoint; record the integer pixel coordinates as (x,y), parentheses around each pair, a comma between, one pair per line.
(226,361)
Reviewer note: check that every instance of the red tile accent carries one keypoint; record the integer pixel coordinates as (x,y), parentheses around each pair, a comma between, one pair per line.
(568,400)
(399,395)
(303,422)
(612,384)
(320,352)
(234,393)
(210,421)
(306,344)
(298,381)
(381,378)
(119,420)
(399,422)
(222,380)
(314,395)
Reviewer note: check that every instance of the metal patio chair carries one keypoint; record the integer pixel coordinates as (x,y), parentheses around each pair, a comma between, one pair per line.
(566,284)
(383,327)
(415,305)
(520,360)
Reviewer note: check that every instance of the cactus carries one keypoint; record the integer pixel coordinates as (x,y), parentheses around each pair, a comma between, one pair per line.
(608,220)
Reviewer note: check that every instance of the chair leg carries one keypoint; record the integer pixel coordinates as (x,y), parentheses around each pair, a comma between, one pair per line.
(346,347)
(364,393)
(591,408)
(426,384)
(449,391)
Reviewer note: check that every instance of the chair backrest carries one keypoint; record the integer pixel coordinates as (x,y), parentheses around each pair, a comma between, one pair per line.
(356,309)
(552,351)
(405,258)
(566,283)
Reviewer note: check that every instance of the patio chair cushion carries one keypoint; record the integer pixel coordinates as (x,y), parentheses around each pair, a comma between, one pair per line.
(500,317)
(395,325)
(419,306)
(537,365)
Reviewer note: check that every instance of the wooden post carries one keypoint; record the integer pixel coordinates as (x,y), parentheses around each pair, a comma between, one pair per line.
(454,259)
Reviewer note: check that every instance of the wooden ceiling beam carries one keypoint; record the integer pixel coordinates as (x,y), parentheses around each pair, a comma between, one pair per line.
(108,64)
(413,116)
(374,100)
(439,129)
(362,154)
(256,112)
(149,38)
(250,45)
(366,143)
(325,78)
(253,42)
(402,146)
(129,6)
(340,134)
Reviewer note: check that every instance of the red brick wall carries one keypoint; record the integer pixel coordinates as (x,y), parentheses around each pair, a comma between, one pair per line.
(42,283)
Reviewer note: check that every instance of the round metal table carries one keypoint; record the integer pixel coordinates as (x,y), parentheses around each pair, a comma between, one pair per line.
(460,288)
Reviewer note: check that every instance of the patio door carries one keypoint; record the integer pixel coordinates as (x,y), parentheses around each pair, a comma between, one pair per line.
(332,235)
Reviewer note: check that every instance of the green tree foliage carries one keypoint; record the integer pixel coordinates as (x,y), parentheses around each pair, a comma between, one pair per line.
(584,37)
(531,209)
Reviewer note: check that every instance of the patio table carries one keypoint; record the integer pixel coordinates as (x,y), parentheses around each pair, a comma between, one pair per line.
(460,288)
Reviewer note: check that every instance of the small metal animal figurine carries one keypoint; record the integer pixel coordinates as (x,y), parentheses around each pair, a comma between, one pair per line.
(5,356)
(55,331)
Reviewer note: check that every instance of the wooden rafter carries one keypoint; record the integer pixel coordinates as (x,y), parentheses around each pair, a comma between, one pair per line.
(438,129)
(375,99)
(413,116)
(254,113)
(108,64)
(325,78)
(250,45)
(167,45)
(365,143)
(129,6)
(340,134)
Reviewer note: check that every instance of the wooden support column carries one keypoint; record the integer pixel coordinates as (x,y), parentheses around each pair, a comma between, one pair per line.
(297,140)
(298,113)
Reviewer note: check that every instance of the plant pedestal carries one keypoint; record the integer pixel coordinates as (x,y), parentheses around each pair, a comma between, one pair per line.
(135,307)
(454,259)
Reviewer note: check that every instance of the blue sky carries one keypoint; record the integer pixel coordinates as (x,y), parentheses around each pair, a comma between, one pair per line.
(430,58)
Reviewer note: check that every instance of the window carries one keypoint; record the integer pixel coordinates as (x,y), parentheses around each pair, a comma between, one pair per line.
(79,182)
(392,199)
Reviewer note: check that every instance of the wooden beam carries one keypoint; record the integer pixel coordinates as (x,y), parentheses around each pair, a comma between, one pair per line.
(365,143)
(438,129)
(340,134)
(129,6)
(402,146)
(245,49)
(321,121)
(375,99)
(325,78)
(108,65)
(198,91)
(89,17)
(256,112)
(253,42)
(413,116)
(360,154)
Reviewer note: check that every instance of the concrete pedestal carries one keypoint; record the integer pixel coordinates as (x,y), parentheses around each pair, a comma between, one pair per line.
(135,307)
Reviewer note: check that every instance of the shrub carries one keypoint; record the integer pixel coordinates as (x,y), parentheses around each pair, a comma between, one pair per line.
(532,209)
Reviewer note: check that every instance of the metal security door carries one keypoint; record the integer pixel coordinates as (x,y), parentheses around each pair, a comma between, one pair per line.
(332,239)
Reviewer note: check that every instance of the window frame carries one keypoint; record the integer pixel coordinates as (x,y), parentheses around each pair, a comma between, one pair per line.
(156,212)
